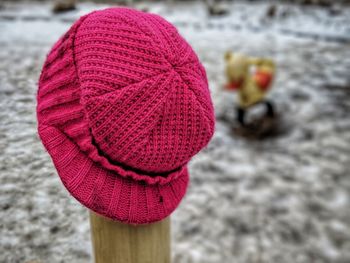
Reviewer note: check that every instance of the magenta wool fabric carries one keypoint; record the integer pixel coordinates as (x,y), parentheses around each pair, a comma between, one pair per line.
(123,104)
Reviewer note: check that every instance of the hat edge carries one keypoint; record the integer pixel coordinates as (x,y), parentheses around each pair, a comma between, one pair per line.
(53,138)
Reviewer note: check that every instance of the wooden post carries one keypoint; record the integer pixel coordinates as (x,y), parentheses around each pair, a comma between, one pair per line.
(115,242)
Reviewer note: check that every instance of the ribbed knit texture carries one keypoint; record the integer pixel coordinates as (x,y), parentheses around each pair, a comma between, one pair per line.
(123,105)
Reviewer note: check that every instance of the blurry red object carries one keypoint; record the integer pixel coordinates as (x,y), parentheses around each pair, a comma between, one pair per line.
(263,79)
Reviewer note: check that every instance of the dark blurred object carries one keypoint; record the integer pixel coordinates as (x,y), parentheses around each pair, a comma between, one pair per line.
(335,10)
(262,128)
(216,9)
(271,11)
(326,3)
(61,6)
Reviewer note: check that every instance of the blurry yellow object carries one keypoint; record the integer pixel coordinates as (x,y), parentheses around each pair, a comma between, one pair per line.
(251,77)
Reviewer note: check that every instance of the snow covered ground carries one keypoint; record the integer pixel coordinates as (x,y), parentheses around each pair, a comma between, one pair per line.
(282,199)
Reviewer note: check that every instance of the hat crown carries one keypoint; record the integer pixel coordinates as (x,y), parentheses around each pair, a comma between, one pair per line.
(144,92)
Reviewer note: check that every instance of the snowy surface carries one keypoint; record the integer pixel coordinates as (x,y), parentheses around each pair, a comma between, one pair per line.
(283,199)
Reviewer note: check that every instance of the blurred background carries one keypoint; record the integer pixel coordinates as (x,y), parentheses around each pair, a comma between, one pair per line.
(282,197)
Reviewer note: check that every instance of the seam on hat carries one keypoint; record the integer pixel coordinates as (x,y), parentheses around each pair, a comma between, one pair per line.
(135,83)
(206,113)
(148,32)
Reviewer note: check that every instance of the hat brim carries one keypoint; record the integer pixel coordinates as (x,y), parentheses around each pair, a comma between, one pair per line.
(104,191)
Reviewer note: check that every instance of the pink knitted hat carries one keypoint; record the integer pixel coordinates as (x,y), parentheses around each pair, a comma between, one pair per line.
(123,105)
